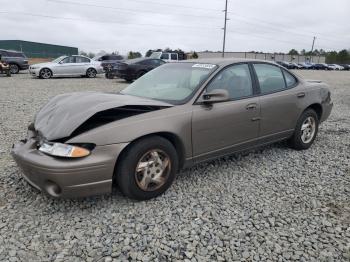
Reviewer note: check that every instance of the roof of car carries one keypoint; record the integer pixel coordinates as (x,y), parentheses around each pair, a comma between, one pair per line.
(224,61)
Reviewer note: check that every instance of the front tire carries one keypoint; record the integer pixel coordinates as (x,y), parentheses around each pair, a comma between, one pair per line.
(91,73)
(305,130)
(45,73)
(14,68)
(147,168)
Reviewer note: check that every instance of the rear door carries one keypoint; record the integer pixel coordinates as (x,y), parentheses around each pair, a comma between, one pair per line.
(222,127)
(280,100)
(81,65)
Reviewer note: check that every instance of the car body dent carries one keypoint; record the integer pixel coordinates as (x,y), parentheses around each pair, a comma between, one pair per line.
(129,129)
(72,110)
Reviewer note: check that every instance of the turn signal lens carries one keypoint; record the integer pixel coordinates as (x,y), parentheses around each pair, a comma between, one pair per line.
(79,152)
(64,150)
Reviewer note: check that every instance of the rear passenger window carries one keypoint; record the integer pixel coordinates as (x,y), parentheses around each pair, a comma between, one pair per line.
(290,79)
(80,59)
(270,78)
(173,56)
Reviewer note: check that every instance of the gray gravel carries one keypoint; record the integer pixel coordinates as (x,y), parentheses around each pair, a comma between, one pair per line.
(269,204)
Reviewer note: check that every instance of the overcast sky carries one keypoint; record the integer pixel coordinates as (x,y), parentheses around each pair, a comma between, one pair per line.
(139,25)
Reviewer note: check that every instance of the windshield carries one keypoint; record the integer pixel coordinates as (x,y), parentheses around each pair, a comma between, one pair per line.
(58,59)
(173,83)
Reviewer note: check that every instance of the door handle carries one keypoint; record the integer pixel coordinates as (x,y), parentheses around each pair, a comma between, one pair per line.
(300,95)
(251,106)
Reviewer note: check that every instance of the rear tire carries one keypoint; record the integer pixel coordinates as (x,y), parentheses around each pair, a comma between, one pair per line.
(147,168)
(14,68)
(305,130)
(91,73)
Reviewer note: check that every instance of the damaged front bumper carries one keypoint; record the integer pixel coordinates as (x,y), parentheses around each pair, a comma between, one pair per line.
(63,177)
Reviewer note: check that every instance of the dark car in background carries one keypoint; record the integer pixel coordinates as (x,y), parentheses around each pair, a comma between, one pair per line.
(346,67)
(289,65)
(134,68)
(321,67)
(107,61)
(295,66)
(17,60)
(282,63)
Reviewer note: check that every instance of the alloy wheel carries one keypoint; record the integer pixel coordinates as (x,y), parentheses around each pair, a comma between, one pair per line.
(14,69)
(308,130)
(91,73)
(45,73)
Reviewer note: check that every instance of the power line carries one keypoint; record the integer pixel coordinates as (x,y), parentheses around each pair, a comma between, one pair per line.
(145,24)
(306,33)
(190,15)
(175,5)
(129,9)
(105,21)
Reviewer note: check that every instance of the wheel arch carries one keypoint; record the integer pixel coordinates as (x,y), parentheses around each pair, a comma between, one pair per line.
(41,69)
(91,67)
(171,137)
(15,63)
(317,108)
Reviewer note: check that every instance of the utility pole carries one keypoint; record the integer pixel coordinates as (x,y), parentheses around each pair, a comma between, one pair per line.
(312,48)
(223,44)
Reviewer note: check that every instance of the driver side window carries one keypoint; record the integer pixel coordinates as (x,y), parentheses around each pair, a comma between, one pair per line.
(69,59)
(235,79)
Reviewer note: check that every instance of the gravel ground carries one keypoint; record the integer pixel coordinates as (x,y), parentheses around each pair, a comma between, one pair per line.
(269,204)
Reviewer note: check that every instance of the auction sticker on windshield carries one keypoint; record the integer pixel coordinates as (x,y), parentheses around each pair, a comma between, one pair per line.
(207,66)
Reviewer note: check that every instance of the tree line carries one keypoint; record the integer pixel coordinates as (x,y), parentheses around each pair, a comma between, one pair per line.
(332,57)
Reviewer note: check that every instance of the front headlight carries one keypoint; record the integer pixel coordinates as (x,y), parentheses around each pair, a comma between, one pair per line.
(64,150)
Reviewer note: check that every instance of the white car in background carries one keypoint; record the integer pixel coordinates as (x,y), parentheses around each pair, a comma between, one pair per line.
(165,56)
(335,67)
(74,65)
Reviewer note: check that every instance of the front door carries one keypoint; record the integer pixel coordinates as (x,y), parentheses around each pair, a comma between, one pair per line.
(226,126)
(65,67)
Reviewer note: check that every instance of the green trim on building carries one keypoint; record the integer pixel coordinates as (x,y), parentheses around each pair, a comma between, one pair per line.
(38,50)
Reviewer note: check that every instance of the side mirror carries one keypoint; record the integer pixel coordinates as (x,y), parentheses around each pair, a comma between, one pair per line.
(214,96)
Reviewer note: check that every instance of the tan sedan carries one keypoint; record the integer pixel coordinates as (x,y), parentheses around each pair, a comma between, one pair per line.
(173,117)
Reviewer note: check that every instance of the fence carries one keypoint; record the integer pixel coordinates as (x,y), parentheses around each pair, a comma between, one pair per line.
(265,56)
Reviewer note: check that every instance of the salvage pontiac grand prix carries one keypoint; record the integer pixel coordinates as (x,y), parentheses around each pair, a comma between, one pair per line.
(173,117)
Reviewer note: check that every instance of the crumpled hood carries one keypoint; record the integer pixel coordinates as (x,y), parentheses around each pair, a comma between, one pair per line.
(65,113)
